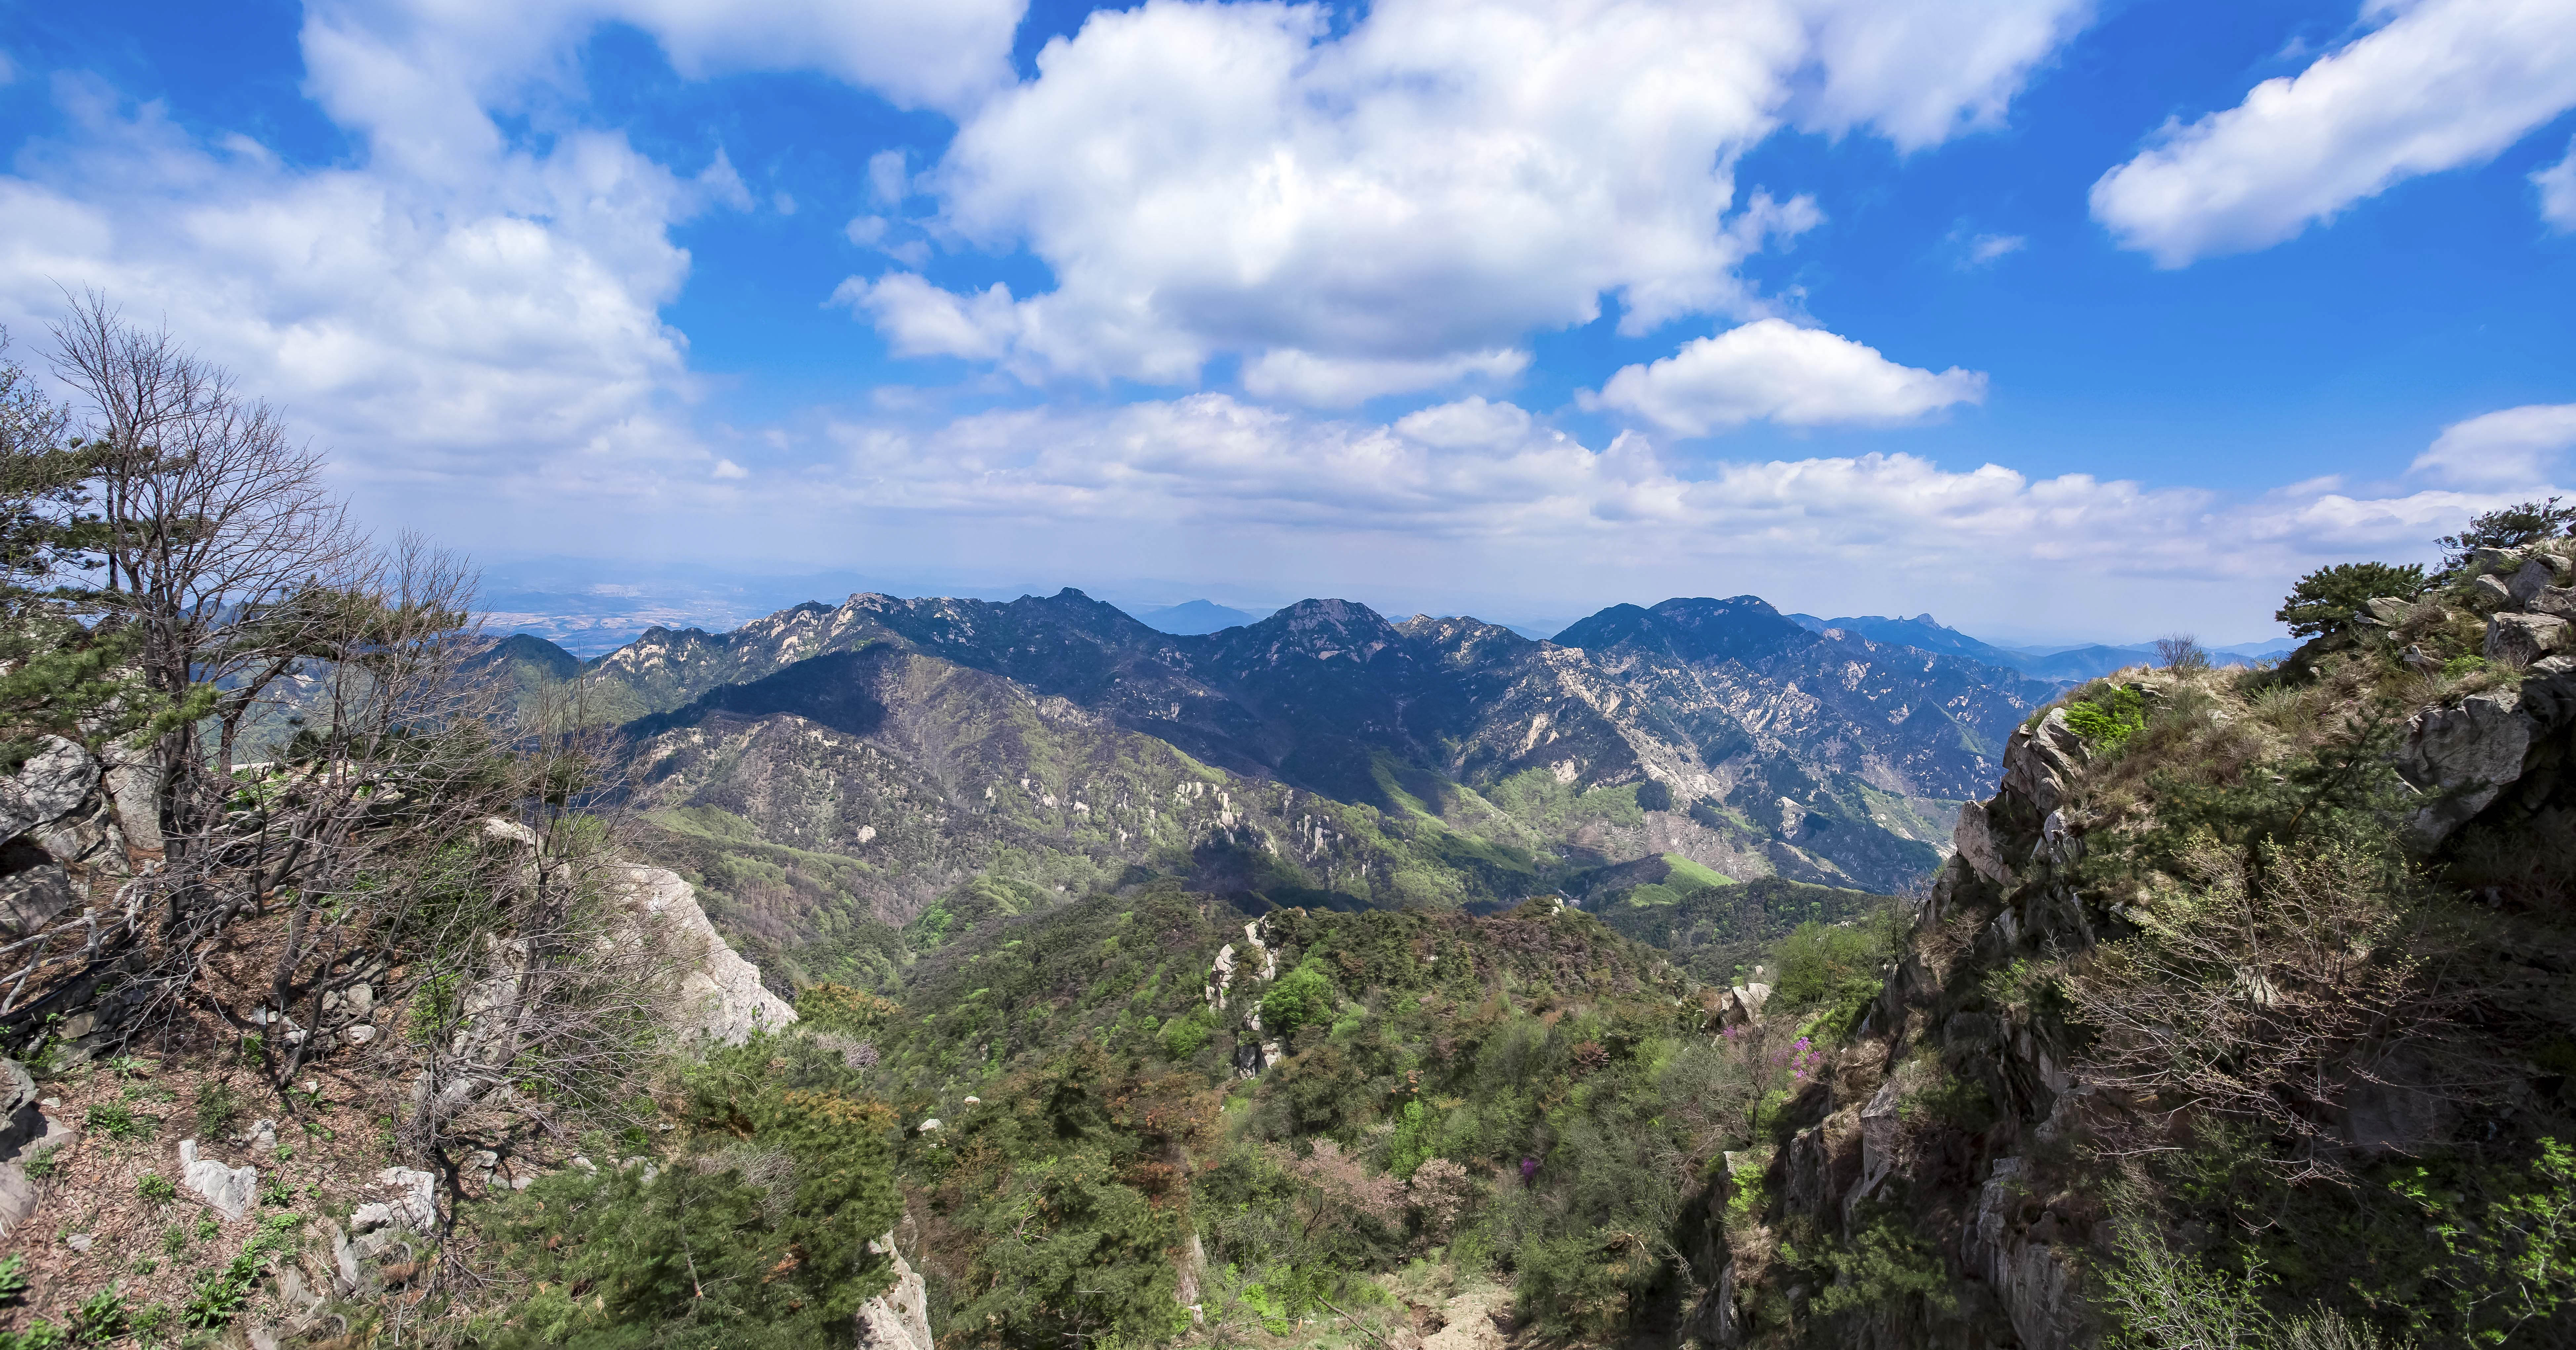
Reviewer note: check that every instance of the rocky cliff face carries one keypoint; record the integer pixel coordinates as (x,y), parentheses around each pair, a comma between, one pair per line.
(1959,1108)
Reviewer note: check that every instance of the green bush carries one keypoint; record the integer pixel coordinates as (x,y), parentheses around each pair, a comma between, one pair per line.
(1885,1261)
(838,1007)
(2325,599)
(1301,998)
(1831,964)
(2110,718)
(220,1295)
(156,1188)
(216,1108)
(1182,1036)
(756,1234)
(118,1121)
(100,1318)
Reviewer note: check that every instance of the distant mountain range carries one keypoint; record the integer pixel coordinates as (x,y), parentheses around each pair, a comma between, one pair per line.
(827,772)
(1191,618)
(2064,664)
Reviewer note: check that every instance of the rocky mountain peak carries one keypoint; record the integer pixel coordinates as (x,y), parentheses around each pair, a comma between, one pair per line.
(1322,629)
(1742,628)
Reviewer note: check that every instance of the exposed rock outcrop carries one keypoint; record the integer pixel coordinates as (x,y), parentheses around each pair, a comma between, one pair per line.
(721,994)
(228,1190)
(899,1318)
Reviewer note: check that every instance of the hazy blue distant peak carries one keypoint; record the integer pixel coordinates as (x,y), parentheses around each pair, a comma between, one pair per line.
(1192,617)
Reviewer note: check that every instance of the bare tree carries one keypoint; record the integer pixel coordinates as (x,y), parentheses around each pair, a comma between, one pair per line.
(2181,653)
(2269,998)
(224,551)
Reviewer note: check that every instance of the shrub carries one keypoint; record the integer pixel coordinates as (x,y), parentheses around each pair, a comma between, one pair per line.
(100,1318)
(2514,526)
(1826,963)
(118,1121)
(221,1294)
(1885,1261)
(2513,1260)
(2110,718)
(758,1236)
(13,1277)
(2181,652)
(1653,795)
(2325,599)
(1301,998)
(216,1108)
(156,1188)
(1440,1191)
(1182,1036)
(838,1007)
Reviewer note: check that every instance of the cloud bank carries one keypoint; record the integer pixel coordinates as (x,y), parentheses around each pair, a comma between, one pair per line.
(1396,206)
(2439,84)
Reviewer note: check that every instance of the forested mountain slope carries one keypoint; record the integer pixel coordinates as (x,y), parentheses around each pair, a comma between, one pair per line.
(824,770)
(2241,1018)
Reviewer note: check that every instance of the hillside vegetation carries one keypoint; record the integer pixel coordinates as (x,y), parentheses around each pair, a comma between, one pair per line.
(1320,757)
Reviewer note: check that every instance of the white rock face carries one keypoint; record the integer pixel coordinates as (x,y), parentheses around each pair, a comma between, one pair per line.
(2038,1287)
(899,1318)
(229,1190)
(721,997)
(415,1203)
(1220,974)
(1975,838)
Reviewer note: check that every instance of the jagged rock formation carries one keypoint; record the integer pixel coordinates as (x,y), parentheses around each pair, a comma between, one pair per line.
(2487,761)
(721,996)
(899,1318)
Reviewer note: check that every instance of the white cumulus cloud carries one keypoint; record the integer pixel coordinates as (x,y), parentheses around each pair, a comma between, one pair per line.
(1484,494)
(2557,185)
(457,304)
(1337,382)
(2516,447)
(2438,85)
(1433,183)
(1773,370)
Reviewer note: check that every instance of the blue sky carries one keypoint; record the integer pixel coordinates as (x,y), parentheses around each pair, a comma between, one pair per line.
(2059,320)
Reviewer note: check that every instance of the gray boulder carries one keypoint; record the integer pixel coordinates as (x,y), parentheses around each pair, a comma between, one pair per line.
(33,896)
(414,1206)
(2041,761)
(2520,639)
(20,1118)
(2461,758)
(228,1190)
(48,787)
(1975,838)
(2540,573)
